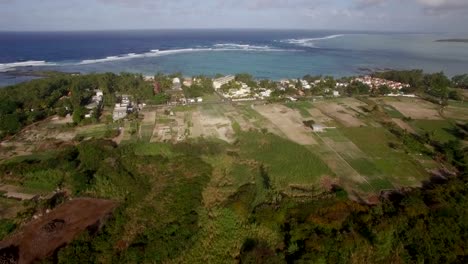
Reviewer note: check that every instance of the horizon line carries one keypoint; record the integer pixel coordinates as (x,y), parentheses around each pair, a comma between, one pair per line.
(230,28)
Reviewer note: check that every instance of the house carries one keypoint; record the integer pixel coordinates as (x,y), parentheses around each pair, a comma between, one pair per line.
(120,112)
(121,109)
(318,128)
(176,85)
(217,83)
(188,82)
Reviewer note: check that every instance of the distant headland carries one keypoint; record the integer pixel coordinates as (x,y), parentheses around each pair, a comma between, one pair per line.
(453,40)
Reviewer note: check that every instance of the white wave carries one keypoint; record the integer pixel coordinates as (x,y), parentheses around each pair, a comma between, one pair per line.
(9,66)
(157,53)
(151,53)
(309,42)
(244,47)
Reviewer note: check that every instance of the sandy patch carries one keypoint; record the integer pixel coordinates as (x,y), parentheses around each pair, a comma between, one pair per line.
(15,192)
(207,125)
(320,117)
(341,114)
(416,109)
(288,121)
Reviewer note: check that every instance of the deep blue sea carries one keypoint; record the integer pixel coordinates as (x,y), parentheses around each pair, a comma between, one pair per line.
(271,54)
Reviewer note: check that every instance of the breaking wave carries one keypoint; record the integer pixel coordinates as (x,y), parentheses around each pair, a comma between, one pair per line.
(309,42)
(8,66)
(151,53)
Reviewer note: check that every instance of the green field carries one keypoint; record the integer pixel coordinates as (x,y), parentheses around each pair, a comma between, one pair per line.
(394,165)
(300,167)
(439,130)
(392,112)
(302,106)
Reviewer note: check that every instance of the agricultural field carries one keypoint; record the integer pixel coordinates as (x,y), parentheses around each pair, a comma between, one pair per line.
(354,151)
(439,130)
(215,171)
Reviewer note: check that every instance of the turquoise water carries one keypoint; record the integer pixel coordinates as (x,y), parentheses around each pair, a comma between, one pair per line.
(265,54)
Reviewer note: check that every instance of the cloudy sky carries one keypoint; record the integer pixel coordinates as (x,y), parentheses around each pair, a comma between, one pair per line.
(395,15)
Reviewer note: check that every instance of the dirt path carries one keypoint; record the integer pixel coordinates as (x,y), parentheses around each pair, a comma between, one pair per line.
(14,193)
(120,137)
(41,237)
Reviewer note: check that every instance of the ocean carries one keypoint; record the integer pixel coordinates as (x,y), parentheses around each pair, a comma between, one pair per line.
(272,54)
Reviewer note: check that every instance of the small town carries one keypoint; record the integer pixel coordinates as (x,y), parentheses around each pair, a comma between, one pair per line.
(233,89)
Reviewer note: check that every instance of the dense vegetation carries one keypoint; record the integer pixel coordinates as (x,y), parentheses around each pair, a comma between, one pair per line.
(208,201)
(63,94)
(161,217)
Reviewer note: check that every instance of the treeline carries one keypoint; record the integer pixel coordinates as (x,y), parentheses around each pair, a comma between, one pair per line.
(421,226)
(437,85)
(63,94)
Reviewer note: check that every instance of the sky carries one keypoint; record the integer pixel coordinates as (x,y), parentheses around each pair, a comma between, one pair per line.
(380,15)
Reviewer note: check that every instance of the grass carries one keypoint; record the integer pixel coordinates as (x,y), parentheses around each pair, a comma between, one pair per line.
(43,181)
(153,149)
(32,157)
(463,104)
(302,106)
(394,166)
(335,135)
(211,98)
(95,131)
(392,112)
(286,162)
(184,108)
(439,130)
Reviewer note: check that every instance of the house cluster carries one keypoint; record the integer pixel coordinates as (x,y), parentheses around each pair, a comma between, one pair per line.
(191,100)
(123,108)
(244,92)
(375,83)
(96,103)
(306,85)
(217,83)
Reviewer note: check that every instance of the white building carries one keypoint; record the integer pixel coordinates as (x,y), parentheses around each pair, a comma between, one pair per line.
(176,84)
(217,83)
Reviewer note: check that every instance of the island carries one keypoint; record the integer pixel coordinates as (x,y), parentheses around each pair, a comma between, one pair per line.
(453,40)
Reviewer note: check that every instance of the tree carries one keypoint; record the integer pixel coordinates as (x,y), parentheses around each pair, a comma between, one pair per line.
(384,89)
(78,114)
(455,95)
(9,123)
(461,81)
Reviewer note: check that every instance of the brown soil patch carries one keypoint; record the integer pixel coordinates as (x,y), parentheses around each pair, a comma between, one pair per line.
(289,122)
(41,237)
(458,113)
(403,125)
(341,114)
(416,109)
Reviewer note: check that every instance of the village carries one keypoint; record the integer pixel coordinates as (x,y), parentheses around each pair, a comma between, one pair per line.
(229,88)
